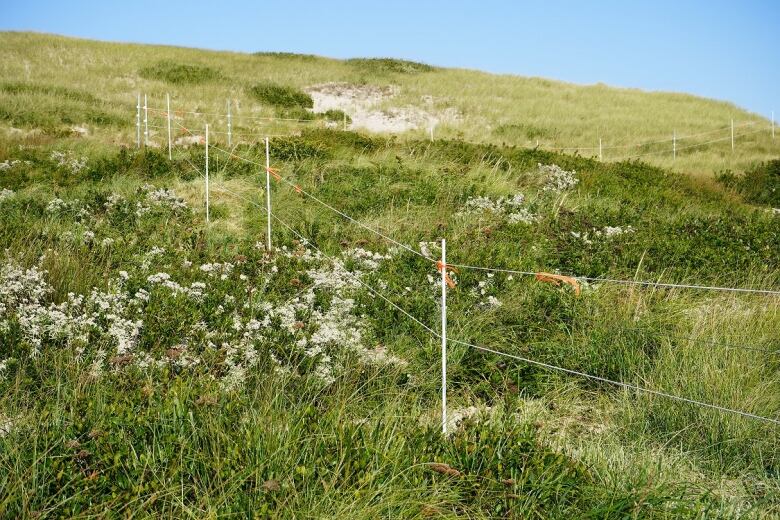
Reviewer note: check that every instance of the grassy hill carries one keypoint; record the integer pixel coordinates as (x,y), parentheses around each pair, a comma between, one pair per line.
(101,80)
(153,364)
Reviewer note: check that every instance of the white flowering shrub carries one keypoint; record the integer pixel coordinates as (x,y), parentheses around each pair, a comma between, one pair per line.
(5,194)
(69,161)
(215,317)
(512,209)
(556,179)
(56,205)
(606,233)
(10,164)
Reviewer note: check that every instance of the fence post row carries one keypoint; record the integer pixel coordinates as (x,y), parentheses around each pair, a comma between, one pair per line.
(207,173)
(443,336)
(443,268)
(268,195)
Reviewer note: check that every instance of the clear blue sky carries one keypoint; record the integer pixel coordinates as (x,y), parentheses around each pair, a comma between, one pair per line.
(722,49)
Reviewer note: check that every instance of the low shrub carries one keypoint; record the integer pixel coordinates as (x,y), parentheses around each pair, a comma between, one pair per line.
(283,96)
(759,185)
(178,73)
(389,65)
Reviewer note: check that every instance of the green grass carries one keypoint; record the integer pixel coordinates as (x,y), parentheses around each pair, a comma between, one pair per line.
(209,410)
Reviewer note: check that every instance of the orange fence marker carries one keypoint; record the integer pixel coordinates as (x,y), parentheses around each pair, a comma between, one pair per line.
(274,173)
(556,279)
(440,266)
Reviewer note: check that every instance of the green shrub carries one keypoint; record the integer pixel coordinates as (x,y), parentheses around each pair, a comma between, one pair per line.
(335,115)
(389,65)
(296,149)
(523,131)
(288,56)
(333,139)
(178,73)
(759,185)
(283,96)
(19,88)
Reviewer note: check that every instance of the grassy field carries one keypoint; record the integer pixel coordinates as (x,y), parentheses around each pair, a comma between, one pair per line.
(156,365)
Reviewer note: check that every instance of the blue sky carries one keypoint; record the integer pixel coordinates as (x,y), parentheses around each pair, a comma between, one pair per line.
(721,49)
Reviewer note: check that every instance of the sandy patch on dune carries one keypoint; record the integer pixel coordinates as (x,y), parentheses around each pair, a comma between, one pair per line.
(361,102)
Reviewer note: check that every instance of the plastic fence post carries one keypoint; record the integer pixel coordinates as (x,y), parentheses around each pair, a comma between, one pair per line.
(207,173)
(601,157)
(732,135)
(268,194)
(138,122)
(443,336)
(146,122)
(168,114)
(230,133)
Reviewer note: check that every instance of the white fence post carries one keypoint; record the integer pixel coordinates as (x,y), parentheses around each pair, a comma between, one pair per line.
(146,122)
(207,173)
(230,125)
(431,132)
(345,121)
(732,135)
(268,194)
(138,122)
(773,124)
(674,144)
(601,157)
(443,336)
(168,113)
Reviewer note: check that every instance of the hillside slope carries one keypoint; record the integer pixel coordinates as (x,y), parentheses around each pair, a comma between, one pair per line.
(160,361)
(103,78)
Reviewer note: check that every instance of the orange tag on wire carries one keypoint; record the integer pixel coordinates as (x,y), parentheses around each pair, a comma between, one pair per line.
(297,189)
(440,266)
(556,279)
(274,173)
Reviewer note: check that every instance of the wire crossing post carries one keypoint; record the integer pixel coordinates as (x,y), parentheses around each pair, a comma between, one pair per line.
(443,336)
(732,135)
(168,113)
(674,144)
(138,122)
(146,122)
(268,195)
(230,134)
(207,173)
